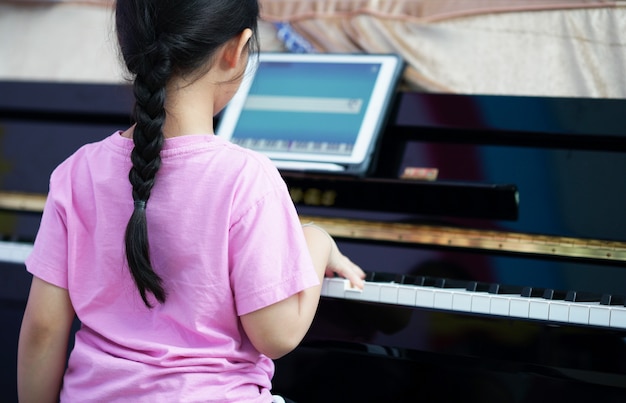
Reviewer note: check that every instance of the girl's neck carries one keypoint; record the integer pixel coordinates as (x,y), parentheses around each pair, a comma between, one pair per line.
(189,108)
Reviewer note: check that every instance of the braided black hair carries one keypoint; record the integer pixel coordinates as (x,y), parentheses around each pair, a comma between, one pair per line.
(159,38)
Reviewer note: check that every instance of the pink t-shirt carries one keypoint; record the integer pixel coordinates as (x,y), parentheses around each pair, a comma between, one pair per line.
(225,238)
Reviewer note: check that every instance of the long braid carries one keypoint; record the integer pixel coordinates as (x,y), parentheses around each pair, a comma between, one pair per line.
(149,115)
(158,39)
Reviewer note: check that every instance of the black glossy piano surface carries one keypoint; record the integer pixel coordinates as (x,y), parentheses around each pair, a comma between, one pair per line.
(40,125)
(546,173)
(541,171)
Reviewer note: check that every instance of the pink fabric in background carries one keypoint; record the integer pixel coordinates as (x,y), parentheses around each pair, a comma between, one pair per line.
(419,10)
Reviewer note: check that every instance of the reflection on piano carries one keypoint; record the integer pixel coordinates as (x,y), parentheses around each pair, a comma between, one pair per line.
(504,279)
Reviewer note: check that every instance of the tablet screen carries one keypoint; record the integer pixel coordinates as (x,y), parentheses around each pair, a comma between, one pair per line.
(308,109)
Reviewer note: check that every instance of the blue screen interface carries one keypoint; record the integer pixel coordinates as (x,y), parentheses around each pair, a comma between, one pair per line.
(306,107)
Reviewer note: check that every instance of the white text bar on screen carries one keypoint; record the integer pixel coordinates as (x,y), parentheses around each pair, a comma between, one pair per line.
(303,104)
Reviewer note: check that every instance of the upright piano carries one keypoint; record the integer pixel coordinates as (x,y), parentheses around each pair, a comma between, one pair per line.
(492,230)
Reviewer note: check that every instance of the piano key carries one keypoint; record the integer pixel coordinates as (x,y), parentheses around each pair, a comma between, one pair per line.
(451,283)
(426,281)
(379,287)
(389,293)
(480,298)
(448,298)
(406,295)
(558,311)
(14,252)
(520,307)
(500,305)
(478,286)
(442,300)
(425,297)
(462,301)
(553,294)
(533,292)
(587,311)
(481,302)
(469,300)
(580,313)
(505,289)
(582,296)
(335,287)
(600,316)
(538,308)
(324,290)
(611,299)
(446,294)
(533,307)
(353,293)
(618,317)
(370,292)
(382,277)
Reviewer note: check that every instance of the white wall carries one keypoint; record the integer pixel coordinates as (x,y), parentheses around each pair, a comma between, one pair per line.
(68,43)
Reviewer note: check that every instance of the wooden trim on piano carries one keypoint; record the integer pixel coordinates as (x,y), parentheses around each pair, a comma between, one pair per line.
(453,237)
(428,235)
(24,202)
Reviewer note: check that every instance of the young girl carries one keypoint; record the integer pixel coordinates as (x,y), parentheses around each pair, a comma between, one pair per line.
(180,253)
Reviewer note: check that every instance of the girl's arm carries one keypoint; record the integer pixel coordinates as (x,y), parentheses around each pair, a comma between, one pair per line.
(42,349)
(278,329)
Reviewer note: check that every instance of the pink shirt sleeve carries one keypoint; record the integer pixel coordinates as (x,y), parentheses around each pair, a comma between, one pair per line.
(49,258)
(268,253)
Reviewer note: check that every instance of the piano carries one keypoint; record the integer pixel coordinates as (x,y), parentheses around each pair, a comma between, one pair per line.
(492,230)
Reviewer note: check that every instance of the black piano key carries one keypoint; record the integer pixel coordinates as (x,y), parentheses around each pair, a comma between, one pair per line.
(504,289)
(408,279)
(428,281)
(553,294)
(377,277)
(399,279)
(478,286)
(611,299)
(420,280)
(450,283)
(532,291)
(412,279)
(582,296)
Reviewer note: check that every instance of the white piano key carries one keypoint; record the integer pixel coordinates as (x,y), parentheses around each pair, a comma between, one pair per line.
(353,293)
(558,311)
(481,302)
(519,307)
(371,292)
(618,317)
(324,291)
(336,287)
(462,301)
(389,293)
(443,299)
(425,297)
(406,295)
(600,315)
(500,305)
(579,313)
(14,252)
(539,308)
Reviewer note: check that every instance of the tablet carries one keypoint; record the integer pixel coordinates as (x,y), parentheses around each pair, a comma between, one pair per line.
(313,112)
